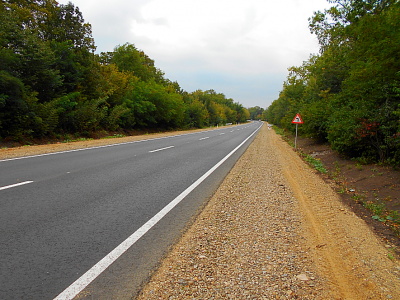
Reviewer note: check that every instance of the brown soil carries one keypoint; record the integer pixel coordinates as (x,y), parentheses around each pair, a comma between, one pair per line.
(357,184)
(10,149)
(277,229)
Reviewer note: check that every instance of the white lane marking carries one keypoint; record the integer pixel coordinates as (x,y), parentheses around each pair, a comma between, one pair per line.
(79,285)
(161,149)
(204,138)
(232,130)
(222,133)
(14,185)
(105,146)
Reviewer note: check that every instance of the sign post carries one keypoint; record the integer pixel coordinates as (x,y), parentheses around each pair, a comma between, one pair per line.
(297,120)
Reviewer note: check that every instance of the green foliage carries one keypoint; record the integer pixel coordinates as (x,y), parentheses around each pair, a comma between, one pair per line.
(316,163)
(279,130)
(52,83)
(349,95)
(256,113)
(152,104)
(214,107)
(196,114)
(129,59)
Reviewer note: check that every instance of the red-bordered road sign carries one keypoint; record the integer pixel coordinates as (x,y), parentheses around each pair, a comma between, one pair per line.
(297,120)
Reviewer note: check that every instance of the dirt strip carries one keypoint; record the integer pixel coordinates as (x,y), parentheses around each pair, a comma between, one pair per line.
(275,230)
(13,152)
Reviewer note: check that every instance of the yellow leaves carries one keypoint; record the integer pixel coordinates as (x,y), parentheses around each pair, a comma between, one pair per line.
(115,83)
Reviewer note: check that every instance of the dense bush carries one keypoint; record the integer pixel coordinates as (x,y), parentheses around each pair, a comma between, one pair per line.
(349,93)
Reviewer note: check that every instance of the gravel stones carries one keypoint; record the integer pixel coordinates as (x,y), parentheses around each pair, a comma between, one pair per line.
(273,230)
(246,244)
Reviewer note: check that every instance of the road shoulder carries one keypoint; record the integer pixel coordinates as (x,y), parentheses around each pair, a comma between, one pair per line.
(275,230)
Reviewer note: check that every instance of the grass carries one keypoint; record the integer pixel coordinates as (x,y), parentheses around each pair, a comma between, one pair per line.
(291,143)
(76,140)
(68,138)
(358,198)
(391,252)
(376,208)
(316,163)
(359,167)
(336,175)
(281,132)
(113,136)
(390,218)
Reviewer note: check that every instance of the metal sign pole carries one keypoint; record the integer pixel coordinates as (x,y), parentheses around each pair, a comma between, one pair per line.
(297,120)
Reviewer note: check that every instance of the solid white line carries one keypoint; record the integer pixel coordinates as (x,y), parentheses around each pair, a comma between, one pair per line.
(161,149)
(204,138)
(14,185)
(83,281)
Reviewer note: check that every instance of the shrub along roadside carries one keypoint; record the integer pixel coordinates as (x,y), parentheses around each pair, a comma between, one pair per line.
(383,209)
(349,94)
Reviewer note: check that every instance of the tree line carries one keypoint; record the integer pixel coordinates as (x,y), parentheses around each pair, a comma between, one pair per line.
(256,113)
(349,93)
(51,80)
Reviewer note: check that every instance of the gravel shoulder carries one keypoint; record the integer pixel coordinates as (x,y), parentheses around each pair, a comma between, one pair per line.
(275,230)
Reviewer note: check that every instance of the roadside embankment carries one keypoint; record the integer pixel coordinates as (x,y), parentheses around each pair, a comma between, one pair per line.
(275,230)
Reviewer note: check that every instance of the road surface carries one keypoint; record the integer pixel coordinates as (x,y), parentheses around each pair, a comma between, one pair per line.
(63,214)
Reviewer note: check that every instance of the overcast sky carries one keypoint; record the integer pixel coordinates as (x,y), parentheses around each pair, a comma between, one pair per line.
(239,48)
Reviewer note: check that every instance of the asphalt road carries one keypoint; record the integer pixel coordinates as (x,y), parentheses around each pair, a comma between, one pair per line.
(62,214)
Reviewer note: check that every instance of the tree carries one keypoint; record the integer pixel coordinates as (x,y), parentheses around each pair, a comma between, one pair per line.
(347,94)
(128,58)
(51,80)
(256,112)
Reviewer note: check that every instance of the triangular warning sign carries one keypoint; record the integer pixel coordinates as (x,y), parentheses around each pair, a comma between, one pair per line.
(297,120)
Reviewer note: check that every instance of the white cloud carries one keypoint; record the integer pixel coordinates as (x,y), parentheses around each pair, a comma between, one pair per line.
(213,43)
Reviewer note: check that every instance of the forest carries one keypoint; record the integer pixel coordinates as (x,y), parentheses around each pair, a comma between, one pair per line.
(52,81)
(349,93)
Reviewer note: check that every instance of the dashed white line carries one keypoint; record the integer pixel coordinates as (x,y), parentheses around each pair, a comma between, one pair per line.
(222,133)
(99,147)
(161,149)
(14,185)
(204,138)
